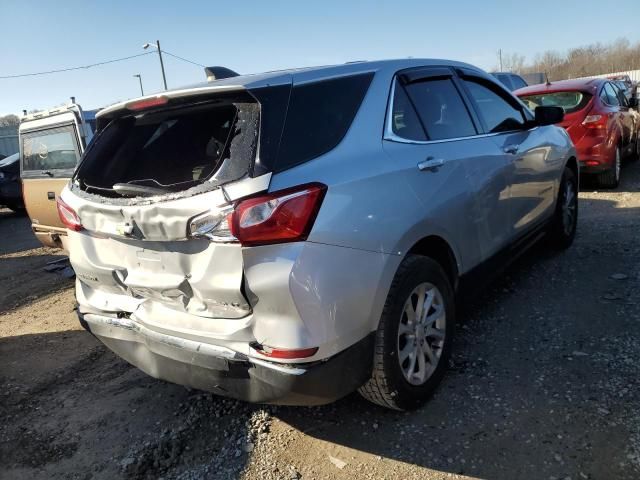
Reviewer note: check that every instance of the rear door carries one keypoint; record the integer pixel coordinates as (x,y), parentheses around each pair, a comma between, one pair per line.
(617,122)
(532,161)
(629,119)
(458,176)
(49,157)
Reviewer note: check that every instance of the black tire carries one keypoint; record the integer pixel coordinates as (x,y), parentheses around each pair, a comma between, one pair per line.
(611,177)
(563,229)
(388,386)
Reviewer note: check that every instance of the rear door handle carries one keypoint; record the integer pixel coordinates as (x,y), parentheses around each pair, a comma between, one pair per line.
(431,164)
(511,149)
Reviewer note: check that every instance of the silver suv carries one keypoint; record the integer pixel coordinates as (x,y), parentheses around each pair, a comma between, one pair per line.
(294,236)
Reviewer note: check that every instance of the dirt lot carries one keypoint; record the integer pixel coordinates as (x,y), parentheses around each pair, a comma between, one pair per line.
(543,383)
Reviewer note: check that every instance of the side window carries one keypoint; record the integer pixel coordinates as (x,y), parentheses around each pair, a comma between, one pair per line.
(622,100)
(441,109)
(505,80)
(404,119)
(611,96)
(498,114)
(518,82)
(319,116)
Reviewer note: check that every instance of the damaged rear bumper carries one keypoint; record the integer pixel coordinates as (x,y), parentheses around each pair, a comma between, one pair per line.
(232,374)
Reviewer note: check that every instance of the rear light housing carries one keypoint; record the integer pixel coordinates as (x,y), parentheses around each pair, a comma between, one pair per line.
(68,216)
(278,217)
(284,353)
(595,121)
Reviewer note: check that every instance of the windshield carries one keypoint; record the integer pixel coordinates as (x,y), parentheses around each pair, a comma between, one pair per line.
(570,101)
(52,149)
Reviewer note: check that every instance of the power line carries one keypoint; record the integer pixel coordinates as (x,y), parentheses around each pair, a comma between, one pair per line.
(82,66)
(183,59)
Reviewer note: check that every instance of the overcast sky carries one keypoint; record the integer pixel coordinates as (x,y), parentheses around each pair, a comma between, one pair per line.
(253,36)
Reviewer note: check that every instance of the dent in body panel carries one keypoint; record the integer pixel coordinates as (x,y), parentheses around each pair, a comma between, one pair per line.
(198,277)
(307,294)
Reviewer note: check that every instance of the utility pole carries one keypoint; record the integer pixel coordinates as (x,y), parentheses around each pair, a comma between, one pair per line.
(140,79)
(164,78)
(499,56)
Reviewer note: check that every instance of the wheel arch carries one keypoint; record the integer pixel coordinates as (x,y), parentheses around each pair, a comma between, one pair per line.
(439,250)
(572,164)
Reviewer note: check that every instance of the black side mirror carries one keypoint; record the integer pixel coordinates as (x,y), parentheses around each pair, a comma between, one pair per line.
(633,102)
(549,115)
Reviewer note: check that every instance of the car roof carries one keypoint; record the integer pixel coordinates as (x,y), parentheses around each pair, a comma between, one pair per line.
(589,85)
(294,76)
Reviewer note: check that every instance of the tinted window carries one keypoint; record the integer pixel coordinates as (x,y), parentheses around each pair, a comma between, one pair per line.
(498,114)
(53,149)
(505,80)
(319,117)
(622,99)
(518,82)
(441,109)
(404,119)
(611,97)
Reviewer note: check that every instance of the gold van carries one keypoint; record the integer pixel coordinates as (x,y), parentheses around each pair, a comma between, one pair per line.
(51,144)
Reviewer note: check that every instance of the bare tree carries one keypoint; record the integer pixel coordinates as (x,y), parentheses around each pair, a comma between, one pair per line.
(9,120)
(587,60)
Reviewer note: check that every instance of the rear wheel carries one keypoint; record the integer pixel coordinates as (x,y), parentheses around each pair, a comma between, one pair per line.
(565,220)
(414,337)
(611,178)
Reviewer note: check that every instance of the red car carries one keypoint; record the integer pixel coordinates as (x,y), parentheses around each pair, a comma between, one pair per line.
(600,120)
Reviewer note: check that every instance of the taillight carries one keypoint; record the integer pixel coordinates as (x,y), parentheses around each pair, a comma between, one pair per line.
(595,121)
(283,216)
(68,216)
(283,353)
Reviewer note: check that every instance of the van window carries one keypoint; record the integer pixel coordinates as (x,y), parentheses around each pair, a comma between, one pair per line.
(52,149)
(319,116)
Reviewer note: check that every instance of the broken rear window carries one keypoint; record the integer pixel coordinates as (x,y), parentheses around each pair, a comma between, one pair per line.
(158,152)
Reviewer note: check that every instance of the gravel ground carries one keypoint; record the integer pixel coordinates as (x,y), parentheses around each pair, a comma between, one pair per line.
(543,383)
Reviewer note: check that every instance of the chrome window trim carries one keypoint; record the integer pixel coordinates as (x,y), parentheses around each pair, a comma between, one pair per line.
(391,136)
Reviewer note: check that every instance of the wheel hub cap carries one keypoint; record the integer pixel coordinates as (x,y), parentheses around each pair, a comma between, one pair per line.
(421,333)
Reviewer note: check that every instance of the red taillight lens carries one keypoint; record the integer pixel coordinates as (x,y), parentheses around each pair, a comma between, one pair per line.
(68,216)
(285,353)
(147,103)
(284,216)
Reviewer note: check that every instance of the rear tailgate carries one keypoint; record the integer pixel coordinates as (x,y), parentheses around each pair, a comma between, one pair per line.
(128,255)
(149,187)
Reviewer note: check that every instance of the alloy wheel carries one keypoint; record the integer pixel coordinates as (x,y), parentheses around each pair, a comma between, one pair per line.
(421,333)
